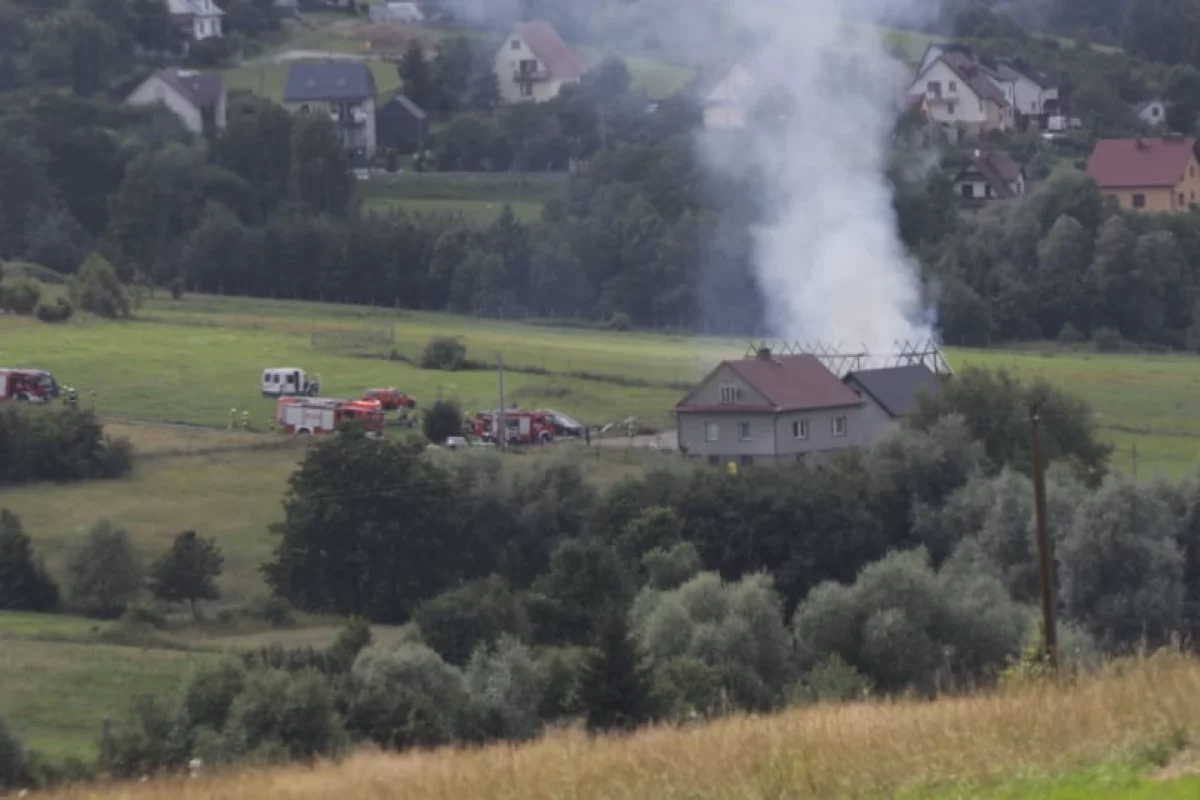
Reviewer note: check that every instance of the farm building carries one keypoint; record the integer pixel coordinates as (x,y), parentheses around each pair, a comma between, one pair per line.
(401,125)
(788,408)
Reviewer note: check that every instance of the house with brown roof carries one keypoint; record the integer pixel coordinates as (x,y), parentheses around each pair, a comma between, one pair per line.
(197,98)
(1147,174)
(777,408)
(959,92)
(534,63)
(990,176)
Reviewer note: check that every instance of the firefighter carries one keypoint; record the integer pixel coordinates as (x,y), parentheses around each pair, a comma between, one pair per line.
(72,397)
(245,420)
(232,418)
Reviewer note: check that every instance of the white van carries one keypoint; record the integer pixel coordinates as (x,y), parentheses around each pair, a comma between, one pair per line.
(288,381)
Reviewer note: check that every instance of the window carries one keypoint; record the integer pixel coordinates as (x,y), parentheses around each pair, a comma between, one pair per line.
(839,426)
(304,108)
(968,190)
(744,431)
(1139,201)
(526,89)
(953,87)
(729,394)
(747,461)
(712,432)
(950,109)
(935,88)
(515,44)
(800,429)
(714,460)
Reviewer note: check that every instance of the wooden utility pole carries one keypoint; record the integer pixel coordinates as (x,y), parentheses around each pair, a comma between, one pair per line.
(1045,555)
(501,426)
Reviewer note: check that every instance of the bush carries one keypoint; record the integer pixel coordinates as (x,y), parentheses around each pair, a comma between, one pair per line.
(444,418)
(273,609)
(1106,340)
(188,571)
(1070,335)
(12,759)
(105,572)
(20,295)
(456,622)
(445,353)
(506,689)
(284,716)
(24,583)
(58,445)
(98,290)
(619,321)
(60,311)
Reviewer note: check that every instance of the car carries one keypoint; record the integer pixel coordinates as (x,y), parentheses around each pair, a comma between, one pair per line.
(456,442)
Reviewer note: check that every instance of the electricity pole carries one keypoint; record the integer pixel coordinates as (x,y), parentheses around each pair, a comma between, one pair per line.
(501,427)
(1045,556)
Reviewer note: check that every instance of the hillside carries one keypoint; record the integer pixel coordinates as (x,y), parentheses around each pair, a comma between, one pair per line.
(1124,733)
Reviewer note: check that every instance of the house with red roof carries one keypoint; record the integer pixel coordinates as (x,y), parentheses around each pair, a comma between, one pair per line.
(1147,174)
(788,408)
(534,63)
(960,92)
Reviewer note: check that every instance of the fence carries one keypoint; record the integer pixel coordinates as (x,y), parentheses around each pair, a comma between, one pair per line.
(358,341)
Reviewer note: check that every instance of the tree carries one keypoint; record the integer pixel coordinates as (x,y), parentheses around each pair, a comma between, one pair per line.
(105,572)
(1063,259)
(443,419)
(13,771)
(1183,98)
(97,289)
(24,583)
(415,78)
(397,544)
(585,581)
(615,686)
(256,145)
(188,571)
(457,622)
(76,48)
(507,687)
(321,179)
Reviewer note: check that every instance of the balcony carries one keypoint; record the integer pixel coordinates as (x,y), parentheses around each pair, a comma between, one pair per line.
(531,75)
(349,118)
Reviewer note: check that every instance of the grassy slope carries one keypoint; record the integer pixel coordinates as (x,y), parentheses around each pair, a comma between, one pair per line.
(480,197)
(1040,741)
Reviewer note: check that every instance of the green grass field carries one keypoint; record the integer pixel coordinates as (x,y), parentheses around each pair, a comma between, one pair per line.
(479,197)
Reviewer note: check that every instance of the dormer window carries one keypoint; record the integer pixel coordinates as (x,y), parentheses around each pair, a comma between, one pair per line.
(729,394)
(515,44)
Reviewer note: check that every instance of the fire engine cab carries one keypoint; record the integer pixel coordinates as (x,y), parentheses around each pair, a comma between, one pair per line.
(523,427)
(312,415)
(27,385)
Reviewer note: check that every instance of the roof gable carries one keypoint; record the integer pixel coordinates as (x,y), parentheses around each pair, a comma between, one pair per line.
(199,88)
(346,80)
(558,57)
(1141,162)
(402,102)
(787,383)
(974,76)
(896,389)
(1000,170)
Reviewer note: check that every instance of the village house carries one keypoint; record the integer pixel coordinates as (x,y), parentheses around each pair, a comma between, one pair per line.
(1146,173)
(397,13)
(959,92)
(197,98)
(791,408)
(345,90)
(401,125)
(534,64)
(727,102)
(196,19)
(1151,113)
(990,176)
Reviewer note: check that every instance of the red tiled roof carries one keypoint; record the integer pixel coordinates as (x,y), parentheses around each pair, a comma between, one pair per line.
(1146,161)
(789,383)
(551,50)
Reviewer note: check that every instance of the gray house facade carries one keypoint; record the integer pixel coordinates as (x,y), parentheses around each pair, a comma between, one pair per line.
(788,409)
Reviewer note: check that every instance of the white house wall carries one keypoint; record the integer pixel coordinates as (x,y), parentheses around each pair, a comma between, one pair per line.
(156,90)
(968,108)
(508,61)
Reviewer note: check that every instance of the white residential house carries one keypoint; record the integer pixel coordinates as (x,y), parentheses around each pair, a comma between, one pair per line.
(196,19)
(397,13)
(345,90)
(197,98)
(1152,112)
(1034,94)
(534,63)
(958,92)
(727,104)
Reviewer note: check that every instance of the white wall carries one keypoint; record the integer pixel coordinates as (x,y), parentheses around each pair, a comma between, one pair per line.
(966,104)
(156,90)
(508,61)
(728,102)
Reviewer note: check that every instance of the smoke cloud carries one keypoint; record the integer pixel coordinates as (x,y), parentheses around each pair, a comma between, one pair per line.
(828,256)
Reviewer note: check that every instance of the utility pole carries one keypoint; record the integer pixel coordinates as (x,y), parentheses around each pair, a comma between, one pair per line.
(1045,556)
(501,427)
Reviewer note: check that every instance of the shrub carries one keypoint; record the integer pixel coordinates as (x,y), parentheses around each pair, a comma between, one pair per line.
(20,295)
(140,614)
(619,321)
(188,571)
(24,582)
(272,609)
(506,688)
(1070,335)
(445,353)
(59,311)
(284,716)
(58,445)
(456,622)
(12,759)
(97,289)
(105,572)
(444,418)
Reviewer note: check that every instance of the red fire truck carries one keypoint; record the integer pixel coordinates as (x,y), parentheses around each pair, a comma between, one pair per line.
(391,399)
(27,385)
(312,415)
(523,427)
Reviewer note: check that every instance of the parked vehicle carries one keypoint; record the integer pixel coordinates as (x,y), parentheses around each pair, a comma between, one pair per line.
(522,427)
(456,442)
(315,415)
(289,382)
(391,399)
(27,385)
(564,425)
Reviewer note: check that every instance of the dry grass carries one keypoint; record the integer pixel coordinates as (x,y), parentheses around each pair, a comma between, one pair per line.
(884,748)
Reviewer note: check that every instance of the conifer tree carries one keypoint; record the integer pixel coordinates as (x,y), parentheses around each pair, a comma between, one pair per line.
(615,686)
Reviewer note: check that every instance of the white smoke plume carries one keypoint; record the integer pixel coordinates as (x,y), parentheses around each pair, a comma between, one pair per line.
(828,258)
